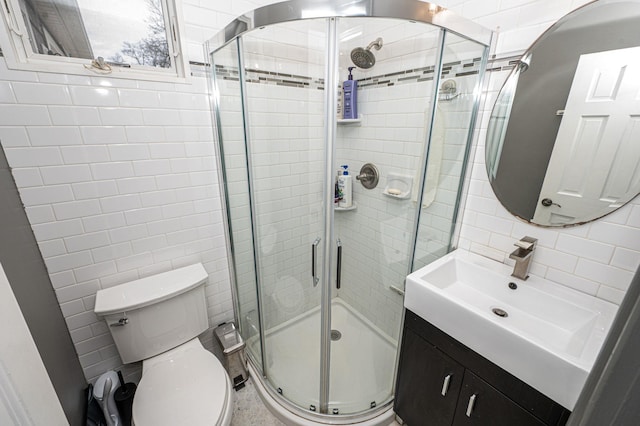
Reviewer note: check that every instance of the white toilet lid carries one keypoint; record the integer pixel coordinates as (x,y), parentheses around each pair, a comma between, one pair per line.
(187,388)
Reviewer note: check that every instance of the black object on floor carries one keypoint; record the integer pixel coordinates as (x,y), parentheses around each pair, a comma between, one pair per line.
(238,382)
(124,400)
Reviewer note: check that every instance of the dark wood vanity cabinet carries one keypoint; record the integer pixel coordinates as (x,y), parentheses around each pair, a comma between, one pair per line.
(442,382)
(426,386)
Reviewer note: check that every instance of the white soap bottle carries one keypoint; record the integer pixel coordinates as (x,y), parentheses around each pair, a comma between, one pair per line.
(345,186)
(340,106)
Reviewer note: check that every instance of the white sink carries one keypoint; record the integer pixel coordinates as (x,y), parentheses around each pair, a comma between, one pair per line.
(549,339)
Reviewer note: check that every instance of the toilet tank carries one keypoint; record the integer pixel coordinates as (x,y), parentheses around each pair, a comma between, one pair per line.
(154,314)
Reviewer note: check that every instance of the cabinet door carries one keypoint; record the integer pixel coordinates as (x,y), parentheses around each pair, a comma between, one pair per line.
(428,383)
(482,405)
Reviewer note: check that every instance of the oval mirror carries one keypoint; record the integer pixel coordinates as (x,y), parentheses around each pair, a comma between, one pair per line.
(563,143)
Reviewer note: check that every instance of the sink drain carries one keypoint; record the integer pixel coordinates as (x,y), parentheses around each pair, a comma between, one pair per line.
(335,335)
(500,312)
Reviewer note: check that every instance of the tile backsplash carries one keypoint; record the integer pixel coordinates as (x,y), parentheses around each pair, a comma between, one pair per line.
(119,180)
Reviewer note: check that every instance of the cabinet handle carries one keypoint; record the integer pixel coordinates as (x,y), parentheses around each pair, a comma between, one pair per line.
(445,385)
(472,401)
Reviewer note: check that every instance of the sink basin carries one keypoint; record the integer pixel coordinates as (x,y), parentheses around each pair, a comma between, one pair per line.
(543,333)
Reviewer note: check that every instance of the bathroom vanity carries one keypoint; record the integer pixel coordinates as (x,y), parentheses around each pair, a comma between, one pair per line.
(443,382)
(482,347)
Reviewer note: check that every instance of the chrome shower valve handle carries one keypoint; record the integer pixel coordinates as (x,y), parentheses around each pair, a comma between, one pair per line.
(369,176)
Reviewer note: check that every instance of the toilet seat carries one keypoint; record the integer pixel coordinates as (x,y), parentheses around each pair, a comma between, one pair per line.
(186,385)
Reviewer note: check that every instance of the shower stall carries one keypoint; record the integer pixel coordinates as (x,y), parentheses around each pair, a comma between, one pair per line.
(318,288)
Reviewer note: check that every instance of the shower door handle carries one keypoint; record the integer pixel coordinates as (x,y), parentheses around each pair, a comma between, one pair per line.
(339,266)
(314,255)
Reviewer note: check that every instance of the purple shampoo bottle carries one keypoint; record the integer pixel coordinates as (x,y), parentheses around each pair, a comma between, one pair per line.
(350,92)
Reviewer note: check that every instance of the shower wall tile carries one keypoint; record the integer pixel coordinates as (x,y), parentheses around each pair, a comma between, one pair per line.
(392,137)
(286,149)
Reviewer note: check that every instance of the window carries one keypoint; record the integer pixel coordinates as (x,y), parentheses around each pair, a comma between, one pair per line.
(125,38)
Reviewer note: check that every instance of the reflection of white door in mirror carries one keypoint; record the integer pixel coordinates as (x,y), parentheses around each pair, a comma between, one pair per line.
(594,164)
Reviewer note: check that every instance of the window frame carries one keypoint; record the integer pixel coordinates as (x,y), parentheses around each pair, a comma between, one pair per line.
(19,55)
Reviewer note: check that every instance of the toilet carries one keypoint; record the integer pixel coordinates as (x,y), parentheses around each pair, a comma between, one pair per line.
(156,320)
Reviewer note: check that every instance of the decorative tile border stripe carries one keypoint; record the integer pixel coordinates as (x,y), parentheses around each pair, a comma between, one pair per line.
(270,77)
(506,63)
(227,73)
(416,75)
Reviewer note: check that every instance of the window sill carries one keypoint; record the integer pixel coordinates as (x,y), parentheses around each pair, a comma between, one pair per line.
(77,67)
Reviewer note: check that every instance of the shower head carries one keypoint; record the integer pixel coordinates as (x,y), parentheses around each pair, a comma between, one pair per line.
(364,58)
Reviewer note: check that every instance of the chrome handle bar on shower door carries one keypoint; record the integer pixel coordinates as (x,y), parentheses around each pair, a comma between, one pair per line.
(339,264)
(314,256)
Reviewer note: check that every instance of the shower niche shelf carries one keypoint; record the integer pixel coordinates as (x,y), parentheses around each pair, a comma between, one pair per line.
(346,209)
(350,121)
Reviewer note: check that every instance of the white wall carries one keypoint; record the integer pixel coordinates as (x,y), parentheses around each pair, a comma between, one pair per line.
(27,396)
(118,179)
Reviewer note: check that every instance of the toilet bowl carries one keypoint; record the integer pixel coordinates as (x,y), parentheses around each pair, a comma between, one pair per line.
(156,320)
(182,386)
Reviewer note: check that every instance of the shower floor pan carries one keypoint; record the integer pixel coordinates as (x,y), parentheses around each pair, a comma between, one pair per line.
(361,366)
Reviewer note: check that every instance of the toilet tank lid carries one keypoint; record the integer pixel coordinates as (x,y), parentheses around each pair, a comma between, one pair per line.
(147,291)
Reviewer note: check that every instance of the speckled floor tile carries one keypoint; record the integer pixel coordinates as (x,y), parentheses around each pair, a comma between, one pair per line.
(248,409)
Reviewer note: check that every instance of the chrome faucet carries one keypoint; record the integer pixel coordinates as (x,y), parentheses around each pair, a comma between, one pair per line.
(523,255)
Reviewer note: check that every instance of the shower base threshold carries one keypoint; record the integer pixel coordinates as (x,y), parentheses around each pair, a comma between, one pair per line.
(293,417)
(361,369)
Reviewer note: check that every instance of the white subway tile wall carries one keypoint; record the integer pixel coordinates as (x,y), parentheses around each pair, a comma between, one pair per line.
(119,180)
(117,186)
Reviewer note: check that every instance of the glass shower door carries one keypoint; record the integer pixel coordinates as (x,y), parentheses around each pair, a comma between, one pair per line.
(284,97)
(394,102)
(320,286)
(233,154)
(454,119)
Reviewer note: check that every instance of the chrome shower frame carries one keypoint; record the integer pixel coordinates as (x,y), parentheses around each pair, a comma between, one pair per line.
(294,10)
